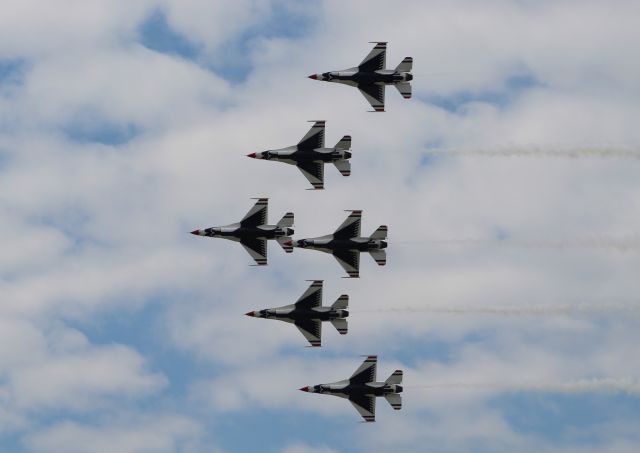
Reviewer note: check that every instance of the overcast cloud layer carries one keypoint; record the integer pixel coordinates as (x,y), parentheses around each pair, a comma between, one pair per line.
(509,184)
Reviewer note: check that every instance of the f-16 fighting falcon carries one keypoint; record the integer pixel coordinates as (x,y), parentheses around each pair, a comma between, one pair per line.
(362,389)
(252,231)
(346,244)
(371,77)
(310,155)
(307,313)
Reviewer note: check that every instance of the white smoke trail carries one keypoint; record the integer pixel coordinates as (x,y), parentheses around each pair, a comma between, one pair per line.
(565,309)
(629,243)
(618,152)
(629,386)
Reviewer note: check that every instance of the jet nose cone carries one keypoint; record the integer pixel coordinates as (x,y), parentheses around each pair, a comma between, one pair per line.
(314,76)
(250,313)
(253,155)
(289,243)
(196,232)
(304,389)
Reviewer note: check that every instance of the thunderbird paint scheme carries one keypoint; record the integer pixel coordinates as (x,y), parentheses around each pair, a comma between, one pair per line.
(310,155)
(371,77)
(345,244)
(253,231)
(307,313)
(361,389)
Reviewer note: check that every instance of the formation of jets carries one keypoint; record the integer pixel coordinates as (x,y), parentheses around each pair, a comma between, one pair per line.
(345,243)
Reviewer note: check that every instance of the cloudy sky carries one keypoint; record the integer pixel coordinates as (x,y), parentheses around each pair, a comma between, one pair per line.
(509,184)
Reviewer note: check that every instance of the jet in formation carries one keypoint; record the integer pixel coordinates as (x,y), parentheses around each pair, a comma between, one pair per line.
(371,77)
(346,244)
(308,313)
(253,231)
(310,155)
(361,389)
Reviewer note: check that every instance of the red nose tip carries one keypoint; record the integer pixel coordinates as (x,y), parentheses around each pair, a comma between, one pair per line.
(250,313)
(289,243)
(252,155)
(314,76)
(196,232)
(305,389)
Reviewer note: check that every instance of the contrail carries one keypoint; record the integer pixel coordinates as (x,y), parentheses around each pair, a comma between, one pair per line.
(629,386)
(618,152)
(629,243)
(565,309)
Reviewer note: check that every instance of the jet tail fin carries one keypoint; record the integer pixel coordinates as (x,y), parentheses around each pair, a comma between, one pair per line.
(286,243)
(342,303)
(405,65)
(343,166)
(394,400)
(379,255)
(404,88)
(286,220)
(395,378)
(341,325)
(380,233)
(344,143)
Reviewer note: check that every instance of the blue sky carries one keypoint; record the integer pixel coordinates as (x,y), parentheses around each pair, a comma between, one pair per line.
(128,128)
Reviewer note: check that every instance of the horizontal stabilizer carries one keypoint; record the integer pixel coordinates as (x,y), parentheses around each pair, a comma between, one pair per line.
(405,65)
(340,325)
(395,378)
(286,243)
(344,143)
(286,220)
(395,400)
(343,166)
(342,303)
(379,255)
(380,233)
(405,89)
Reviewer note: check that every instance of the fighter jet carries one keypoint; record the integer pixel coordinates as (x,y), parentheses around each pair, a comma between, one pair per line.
(307,313)
(362,389)
(346,244)
(252,231)
(310,155)
(371,77)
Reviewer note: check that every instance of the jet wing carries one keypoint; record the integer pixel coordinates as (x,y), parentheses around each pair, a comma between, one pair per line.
(366,406)
(374,94)
(375,60)
(314,172)
(257,248)
(350,262)
(312,297)
(257,215)
(350,228)
(366,372)
(311,329)
(314,138)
